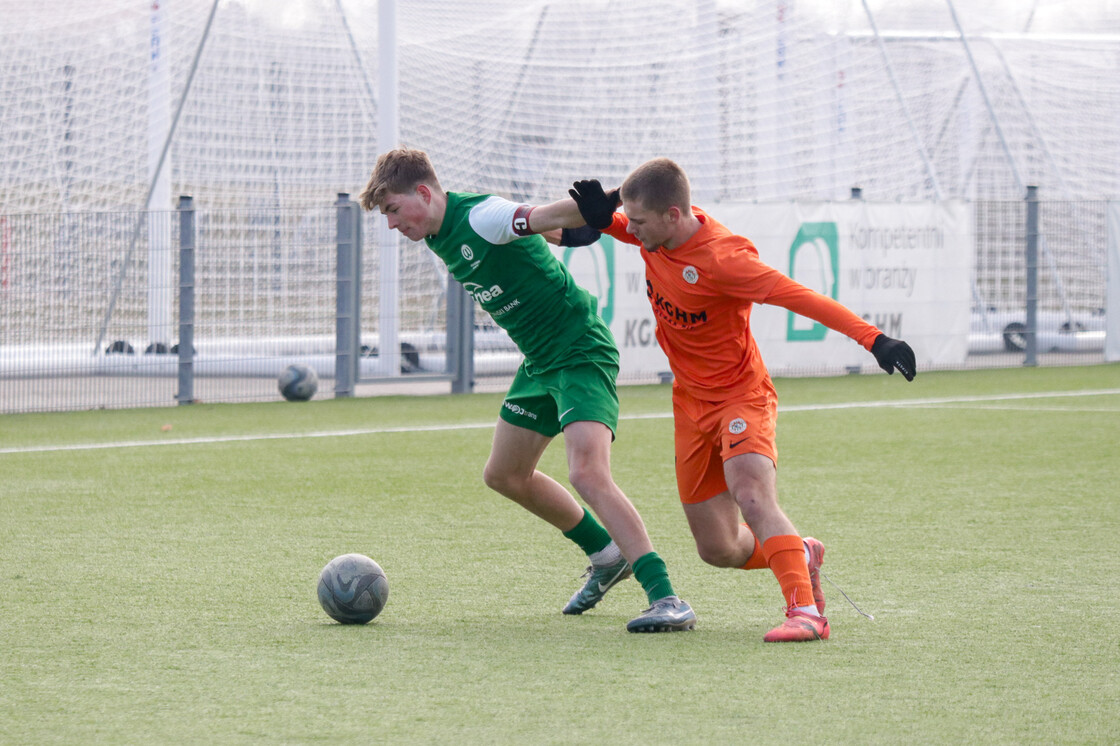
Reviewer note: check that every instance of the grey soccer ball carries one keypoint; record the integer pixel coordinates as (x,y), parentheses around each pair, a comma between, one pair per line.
(298,382)
(353,589)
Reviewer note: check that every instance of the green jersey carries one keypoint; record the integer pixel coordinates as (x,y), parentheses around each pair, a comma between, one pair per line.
(517,280)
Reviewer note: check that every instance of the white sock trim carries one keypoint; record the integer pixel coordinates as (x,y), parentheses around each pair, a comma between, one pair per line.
(608,555)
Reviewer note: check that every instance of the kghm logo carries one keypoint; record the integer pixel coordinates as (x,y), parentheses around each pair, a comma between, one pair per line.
(814,261)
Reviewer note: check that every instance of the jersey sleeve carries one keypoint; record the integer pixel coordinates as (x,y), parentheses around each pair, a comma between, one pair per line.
(617,230)
(496,220)
(794,296)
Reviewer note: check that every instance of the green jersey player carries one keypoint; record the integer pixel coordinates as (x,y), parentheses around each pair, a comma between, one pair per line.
(566,382)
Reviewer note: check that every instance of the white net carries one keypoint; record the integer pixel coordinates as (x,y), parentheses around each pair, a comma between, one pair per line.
(769,100)
(259,106)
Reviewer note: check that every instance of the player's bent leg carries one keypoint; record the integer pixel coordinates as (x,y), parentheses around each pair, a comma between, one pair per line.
(511,471)
(721,540)
(752,479)
(588,446)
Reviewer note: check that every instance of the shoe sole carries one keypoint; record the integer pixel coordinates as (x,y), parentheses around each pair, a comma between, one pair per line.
(664,627)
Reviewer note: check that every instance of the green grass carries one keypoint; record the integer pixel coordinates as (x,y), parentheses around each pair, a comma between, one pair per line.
(167,594)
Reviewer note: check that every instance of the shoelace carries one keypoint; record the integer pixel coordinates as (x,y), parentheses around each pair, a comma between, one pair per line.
(845,595)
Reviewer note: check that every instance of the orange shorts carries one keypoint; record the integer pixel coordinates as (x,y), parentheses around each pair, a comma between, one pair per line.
(708,433)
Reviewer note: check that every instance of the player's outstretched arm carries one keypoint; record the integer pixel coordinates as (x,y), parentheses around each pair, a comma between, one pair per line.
(894,354)
(554,216)
(891,354)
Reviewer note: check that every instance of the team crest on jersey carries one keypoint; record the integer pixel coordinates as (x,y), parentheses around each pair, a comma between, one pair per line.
(468,254)
(690,275)
(737,426)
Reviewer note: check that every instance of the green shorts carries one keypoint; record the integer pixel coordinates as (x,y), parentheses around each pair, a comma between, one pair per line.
(583,389)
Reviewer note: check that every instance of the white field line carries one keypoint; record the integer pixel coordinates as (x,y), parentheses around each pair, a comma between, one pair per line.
(489,424)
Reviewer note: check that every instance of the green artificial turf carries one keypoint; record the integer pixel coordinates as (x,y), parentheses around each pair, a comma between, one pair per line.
(166,593)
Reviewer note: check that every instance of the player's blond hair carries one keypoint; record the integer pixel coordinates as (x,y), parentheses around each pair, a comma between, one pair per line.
(398,171)
(658,185)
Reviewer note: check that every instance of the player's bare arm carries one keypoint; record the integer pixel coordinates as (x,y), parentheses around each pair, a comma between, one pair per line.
(554,216)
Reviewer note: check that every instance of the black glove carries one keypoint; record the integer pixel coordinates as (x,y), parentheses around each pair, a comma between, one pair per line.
(596,207)
(894,353)
(584,236)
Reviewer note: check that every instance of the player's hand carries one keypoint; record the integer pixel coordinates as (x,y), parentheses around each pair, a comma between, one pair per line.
(892,354)
(583,236)
(596,206)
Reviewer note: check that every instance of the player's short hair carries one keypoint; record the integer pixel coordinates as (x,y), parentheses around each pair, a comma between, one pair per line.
(658,185)
(398,171)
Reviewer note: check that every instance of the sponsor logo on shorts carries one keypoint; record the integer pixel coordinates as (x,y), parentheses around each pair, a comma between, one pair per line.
(519,410)
(737,426)
(690,275)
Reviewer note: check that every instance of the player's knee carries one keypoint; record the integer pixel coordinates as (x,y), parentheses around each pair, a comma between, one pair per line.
(500,480)
(756,505)
(716,554)
(588,479)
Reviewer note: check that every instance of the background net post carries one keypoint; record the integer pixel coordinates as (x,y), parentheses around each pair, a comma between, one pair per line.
(1031,358)
(186,300)
(347,313)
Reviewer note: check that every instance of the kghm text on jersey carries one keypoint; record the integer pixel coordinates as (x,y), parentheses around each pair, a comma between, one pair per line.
(675,317)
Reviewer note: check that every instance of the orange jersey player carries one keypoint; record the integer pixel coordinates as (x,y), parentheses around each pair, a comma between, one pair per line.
(702,281)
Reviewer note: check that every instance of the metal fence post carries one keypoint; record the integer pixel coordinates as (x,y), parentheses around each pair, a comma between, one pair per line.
(348,288)
(460,337)
(1031,334)
(186,300)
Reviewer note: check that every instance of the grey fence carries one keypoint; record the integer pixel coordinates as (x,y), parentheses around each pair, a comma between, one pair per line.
(132,309)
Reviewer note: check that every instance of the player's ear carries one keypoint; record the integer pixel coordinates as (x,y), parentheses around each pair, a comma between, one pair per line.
(425,193)
(674,213)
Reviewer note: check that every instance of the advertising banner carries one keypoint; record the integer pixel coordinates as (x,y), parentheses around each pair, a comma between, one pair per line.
(903,267)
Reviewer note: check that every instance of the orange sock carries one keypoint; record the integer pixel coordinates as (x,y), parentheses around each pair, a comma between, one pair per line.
(786,557)
(758,558)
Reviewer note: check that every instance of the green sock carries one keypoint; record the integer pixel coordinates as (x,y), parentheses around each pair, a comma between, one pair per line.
(590,536)
(651,572)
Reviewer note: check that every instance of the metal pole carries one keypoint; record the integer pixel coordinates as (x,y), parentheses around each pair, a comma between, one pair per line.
(902,102)
(1032,277)
(346,318)
(186,300)
(460,337)
(388,135)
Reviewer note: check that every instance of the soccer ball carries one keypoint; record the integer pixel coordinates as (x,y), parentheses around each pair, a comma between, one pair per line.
(353,589)
(298,382)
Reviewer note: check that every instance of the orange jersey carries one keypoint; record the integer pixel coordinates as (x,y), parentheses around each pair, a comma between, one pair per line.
(701,293)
